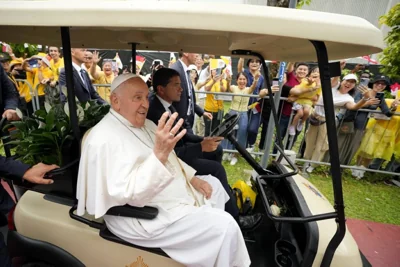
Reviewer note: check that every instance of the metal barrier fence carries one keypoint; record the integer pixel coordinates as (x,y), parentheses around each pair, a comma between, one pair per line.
(34,94)
(257,125)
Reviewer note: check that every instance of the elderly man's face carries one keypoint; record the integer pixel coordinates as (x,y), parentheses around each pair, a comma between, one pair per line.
(131,101)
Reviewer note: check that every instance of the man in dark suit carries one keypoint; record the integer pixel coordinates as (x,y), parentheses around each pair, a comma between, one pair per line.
(10,168)
(8,97)
(83,86)
(16,170)
(186,107)
(191,148)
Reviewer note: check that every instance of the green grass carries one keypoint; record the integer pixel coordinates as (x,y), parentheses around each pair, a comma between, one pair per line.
(376,202)
(363,200)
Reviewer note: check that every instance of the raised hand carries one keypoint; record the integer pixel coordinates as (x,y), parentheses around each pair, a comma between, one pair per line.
(167,136)
(365,91)
(96,58)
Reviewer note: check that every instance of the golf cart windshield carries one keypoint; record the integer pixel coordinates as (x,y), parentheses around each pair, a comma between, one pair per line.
(274,33)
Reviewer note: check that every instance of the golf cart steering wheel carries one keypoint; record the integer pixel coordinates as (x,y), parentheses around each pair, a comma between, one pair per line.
(226,127)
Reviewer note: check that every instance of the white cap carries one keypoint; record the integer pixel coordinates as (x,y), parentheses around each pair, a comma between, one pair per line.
(161,62)
(350,76)
(121,79)
(192,67)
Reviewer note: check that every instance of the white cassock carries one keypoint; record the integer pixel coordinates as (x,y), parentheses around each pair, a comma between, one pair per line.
(118,167)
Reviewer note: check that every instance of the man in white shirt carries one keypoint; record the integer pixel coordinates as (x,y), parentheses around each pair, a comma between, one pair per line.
(127,159)
(167,88)
(187,106)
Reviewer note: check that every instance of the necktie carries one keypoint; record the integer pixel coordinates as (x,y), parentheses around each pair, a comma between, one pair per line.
(190,88)
(84,78)
(172,109)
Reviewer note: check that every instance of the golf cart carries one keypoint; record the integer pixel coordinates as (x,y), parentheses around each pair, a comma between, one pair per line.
(307,231)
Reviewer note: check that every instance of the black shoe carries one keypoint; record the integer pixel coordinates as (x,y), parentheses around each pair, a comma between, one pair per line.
(249,222)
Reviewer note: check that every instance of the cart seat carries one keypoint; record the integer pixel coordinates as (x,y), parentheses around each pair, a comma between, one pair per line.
(106,234)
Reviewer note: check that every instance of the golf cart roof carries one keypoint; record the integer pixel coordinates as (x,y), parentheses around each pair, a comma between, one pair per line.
(214,28)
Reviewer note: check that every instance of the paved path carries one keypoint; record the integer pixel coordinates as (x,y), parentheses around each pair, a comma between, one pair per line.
(379,242)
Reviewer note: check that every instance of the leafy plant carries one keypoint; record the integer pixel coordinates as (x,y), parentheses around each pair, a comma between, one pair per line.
(301,3)
(285,3)
(45,136)
(23,50)
(390,58)
(41,138)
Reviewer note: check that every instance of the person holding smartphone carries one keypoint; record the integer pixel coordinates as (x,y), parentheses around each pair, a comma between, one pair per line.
(365,137)
(213,104)
(239,107)
(342,93)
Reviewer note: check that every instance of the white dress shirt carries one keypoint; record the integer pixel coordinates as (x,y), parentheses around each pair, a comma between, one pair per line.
(165,104)
(78,69)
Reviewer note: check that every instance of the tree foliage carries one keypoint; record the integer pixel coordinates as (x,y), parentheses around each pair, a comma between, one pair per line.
(301,3)
(390,58)
(285,3)
(22,50)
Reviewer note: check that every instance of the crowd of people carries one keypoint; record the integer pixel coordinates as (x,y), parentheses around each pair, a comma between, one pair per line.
(171,115)
(365,140)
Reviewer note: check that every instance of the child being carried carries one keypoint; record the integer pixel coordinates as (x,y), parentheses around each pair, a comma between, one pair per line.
(303,103)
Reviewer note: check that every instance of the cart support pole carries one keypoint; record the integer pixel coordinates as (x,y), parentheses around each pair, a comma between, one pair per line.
(66,43)
(323,65)
(269,139)
(134,57)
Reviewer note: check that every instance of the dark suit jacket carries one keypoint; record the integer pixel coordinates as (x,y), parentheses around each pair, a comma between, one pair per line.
(81,91)
(8,94)
(12,169)
(189,146)
(183,105)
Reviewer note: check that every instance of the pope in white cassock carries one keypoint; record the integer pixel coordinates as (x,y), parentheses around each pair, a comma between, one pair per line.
(127,159)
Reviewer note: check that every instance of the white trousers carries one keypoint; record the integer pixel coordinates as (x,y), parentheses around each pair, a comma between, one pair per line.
(206,236)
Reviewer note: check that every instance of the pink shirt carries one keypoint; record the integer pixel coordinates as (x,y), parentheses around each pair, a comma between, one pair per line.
(291,81)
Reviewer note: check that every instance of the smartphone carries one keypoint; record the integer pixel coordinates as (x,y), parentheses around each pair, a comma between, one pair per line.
(156,63)
(364,81)
(380,96)
(33,63)
(275,82)
(218,72)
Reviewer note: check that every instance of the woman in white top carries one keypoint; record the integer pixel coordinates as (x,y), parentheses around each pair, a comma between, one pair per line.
(316,137)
